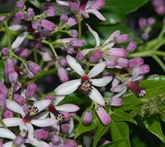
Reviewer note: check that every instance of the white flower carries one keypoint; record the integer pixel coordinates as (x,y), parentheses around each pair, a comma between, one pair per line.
(84,83)
(27,121)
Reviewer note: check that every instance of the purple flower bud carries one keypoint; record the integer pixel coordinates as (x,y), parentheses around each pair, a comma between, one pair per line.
(111,63)
(3,88)
(8,113)
(30,74)
(13,77)
(62,74)
(49,97)
(160,10)
(2,18)
(116,101)
(56,140)
(87,118)
(19,99)
(9,66)
(103,115)
(23,53)
(96,56)
(50,12)
(139,91)
(122,38)
(31,88)
(38,35)
(70,143)
(2,98)
(145,36)
(123,62)
(40,134)
(144,69)
(79,57)
(19,140)
(98,4)
(73,33)
(64,18)
(20,14)
(48,25)
(66,115)
(117,53)
(35,68)
(30,13)
(36,25)
(71,22)
(136,62)
(151,21)
(5,51)
(142,23)
(17,86)
(65,128)
(63,62)
(20,4)
(131,46)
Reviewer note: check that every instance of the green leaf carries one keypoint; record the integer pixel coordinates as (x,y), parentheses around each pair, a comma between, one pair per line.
(120,131)
(154,126)
(122,116)
(2,66)
(118,9)
(101,130)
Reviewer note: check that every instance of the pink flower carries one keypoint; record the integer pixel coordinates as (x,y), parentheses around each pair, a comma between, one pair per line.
(85,82)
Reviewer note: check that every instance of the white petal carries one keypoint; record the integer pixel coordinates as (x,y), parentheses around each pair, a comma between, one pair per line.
(75,65)
(118,88)
(120,93)
(98,68)
(85,51)
(63,3)
(8,144)
(95,35)
(96,13)
(67,87)
(6,133)
(101,82)
(41,105)
(15,107)
(112,36)
(44,122)
(18,41)
(17,28)
(96,96)
(39,143)
(11,122)
(67,108)
(30,132)
(58,99)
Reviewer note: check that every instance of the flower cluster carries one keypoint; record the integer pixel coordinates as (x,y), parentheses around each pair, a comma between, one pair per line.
(48,52)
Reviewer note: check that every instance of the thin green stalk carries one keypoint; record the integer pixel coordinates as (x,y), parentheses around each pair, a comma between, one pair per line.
(158,60)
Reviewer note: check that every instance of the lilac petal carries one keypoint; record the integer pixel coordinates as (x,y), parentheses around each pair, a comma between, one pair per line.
(58,99)
(18,41)
(97,14)
(85,51)
(98,68)
(62,3)
(115,81)
(98,4)
(13,106)
(75,65)
(17,28)
(67,87)
(67,108)
(108,46)
(12,122)
(41,105)
(101,81)
(40,143)
(96,96)
(6,133)
(44,122)
(95,35)
(120,93)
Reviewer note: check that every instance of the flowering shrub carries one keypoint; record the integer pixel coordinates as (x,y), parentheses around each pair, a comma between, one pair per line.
(75,73)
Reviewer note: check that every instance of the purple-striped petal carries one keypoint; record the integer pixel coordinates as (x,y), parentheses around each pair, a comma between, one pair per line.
(97,14)
(44,122)
(67,87)
(12,122)
(41,105)
(96,96)
(75,65)
(98,68)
